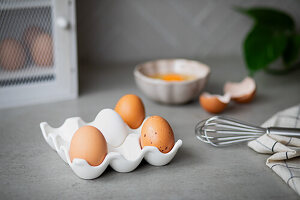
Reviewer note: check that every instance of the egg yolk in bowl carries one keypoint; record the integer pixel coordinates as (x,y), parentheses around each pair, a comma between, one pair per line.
(173,77)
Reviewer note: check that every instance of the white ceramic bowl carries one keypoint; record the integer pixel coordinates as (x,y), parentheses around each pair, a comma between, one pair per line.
(174,92)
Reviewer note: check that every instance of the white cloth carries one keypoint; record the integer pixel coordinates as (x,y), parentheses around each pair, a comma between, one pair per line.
(285,160)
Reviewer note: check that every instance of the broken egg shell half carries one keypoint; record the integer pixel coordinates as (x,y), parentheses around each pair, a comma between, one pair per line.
(214,103)
(241,92)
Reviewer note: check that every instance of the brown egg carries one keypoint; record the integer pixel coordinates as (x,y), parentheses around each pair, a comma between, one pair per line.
(12,54)
(157,132)
(131,108)
(242,92)
(42,50)
(30,34)
(89,144)
(214,103)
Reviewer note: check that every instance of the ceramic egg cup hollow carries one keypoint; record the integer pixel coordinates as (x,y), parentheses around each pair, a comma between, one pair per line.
(171,92)
(122,157)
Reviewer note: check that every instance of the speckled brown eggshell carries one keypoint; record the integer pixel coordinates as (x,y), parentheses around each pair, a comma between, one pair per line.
(89,144)
(157,132)
(131,108)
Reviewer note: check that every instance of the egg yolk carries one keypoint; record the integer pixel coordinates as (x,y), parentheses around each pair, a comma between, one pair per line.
(172,77)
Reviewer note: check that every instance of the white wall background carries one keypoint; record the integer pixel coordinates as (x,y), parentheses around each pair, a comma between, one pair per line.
(118,31)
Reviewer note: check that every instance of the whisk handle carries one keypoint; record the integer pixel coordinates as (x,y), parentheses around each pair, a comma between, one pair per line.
(292,132)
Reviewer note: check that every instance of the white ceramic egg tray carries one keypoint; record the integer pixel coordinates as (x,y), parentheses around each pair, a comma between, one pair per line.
(124,151)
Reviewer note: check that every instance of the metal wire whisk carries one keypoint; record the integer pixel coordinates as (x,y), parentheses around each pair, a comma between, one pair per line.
(222,131)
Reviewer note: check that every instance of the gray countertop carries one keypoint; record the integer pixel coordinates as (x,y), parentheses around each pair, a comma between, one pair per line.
(30,169)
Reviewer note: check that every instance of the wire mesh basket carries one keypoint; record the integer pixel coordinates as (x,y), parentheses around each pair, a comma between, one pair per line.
(30,43)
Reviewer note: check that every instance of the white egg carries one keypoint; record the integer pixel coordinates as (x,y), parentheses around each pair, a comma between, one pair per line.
(111,125)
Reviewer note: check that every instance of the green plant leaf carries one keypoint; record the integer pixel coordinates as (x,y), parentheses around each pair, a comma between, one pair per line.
(292,51)
(270,18)
(262,46)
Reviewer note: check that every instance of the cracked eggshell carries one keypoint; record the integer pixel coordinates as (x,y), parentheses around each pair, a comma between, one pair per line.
(241,92)
(214,103)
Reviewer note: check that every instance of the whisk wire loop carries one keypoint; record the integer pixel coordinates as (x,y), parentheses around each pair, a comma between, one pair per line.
(220,131)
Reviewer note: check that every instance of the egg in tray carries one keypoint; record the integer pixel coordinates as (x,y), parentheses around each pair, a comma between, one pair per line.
(120,138)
